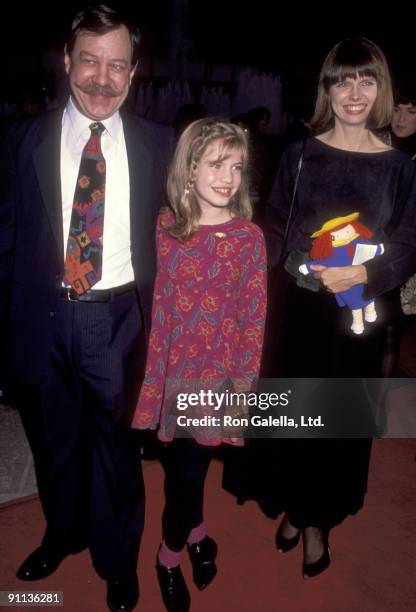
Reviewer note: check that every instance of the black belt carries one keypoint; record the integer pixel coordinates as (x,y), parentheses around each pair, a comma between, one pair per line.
(95,295)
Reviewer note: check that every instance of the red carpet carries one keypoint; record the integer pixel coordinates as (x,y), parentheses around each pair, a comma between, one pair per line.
(373,554)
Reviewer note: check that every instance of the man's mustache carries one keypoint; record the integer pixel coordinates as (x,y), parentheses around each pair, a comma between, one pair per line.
(94,89)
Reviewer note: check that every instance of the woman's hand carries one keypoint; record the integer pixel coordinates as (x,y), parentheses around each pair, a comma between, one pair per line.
(340,278)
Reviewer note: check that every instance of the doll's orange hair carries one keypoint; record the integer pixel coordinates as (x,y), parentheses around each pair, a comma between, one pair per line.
(322,245)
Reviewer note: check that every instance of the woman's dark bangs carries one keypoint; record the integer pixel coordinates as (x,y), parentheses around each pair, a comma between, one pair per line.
(339,73)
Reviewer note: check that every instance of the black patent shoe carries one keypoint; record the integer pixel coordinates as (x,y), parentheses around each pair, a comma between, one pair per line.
(173,587)
(202,555)
(283,544)
(41,563)
(122,594)
(310,570)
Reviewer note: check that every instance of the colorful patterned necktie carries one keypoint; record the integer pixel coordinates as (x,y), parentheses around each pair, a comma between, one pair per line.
(84,252)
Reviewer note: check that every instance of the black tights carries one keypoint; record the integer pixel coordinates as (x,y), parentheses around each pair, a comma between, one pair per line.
(186,465)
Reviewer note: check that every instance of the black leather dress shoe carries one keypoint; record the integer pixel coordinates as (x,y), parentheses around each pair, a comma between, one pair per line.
(122,594)
(202,555)
(173,587)
(41,563)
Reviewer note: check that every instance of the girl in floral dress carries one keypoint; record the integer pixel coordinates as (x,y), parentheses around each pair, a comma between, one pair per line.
(209,307)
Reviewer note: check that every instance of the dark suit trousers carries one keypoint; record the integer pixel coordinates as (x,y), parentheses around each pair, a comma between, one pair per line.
(95,483)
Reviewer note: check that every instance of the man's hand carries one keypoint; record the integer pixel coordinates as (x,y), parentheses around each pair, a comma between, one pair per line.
(341,278)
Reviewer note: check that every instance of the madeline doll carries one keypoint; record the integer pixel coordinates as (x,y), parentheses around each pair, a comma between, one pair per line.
(344,241)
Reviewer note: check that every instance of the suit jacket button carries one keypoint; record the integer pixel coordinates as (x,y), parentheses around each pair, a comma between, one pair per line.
(52,314)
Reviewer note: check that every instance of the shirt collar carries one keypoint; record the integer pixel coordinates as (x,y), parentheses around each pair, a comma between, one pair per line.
(80,123)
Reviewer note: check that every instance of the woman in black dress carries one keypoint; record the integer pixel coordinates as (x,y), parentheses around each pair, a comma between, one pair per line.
(346,169)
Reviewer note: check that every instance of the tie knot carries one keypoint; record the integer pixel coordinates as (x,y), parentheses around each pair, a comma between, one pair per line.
(96,128)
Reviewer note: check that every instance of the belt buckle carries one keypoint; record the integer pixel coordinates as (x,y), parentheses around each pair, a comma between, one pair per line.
(68,294)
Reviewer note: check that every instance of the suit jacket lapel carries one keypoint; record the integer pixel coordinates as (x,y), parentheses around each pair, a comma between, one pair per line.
(140,170)
(46,157)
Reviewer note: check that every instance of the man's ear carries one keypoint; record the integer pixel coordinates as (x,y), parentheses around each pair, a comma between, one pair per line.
(67,60)
(133,72)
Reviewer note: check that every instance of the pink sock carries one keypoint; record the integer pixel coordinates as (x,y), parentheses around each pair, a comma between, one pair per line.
(197,533)
(168,557)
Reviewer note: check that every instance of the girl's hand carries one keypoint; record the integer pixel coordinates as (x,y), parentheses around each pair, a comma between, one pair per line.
(340,278)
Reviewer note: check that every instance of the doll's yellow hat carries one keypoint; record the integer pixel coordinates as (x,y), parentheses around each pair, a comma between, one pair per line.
(333,223)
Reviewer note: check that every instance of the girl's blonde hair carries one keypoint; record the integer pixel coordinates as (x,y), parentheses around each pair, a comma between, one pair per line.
(183,170)
(347,59)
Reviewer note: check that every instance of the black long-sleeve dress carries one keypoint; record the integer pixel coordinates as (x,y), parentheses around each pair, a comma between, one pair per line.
(320,481)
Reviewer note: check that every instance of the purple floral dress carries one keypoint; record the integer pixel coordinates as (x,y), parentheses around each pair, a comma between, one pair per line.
(209,307)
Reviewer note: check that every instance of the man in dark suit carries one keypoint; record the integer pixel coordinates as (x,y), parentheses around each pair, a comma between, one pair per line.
(77,264)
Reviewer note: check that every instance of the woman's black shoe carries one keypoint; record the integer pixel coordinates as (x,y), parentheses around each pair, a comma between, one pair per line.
(310,570)
(202,555)
(173,587)
(283,544)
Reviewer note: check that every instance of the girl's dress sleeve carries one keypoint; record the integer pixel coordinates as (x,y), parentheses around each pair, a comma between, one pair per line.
(251,310)
(148,407)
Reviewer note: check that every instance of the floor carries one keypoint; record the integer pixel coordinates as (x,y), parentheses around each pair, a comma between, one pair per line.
(373,554)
